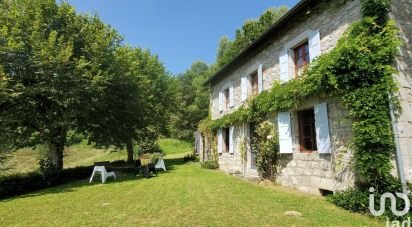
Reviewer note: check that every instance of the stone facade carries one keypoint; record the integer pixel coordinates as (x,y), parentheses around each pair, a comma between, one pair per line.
(402,13)
(313,172)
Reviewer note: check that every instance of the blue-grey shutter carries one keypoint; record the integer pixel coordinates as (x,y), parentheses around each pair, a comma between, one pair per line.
(219,141)
(285,133)
(322,128)
(314,45)
(243,85)
(231,139)
(231,96)
(284,66)
(260,78)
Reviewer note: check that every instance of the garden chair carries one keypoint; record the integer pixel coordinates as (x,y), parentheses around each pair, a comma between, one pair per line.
(138,168)
(160,164)
(104,174)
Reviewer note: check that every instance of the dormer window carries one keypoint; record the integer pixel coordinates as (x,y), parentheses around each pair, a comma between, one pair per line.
(302,59)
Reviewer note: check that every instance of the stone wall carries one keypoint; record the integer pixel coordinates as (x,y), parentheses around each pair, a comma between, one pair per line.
(303,171)
(332,20)
(311,172)
(402,13)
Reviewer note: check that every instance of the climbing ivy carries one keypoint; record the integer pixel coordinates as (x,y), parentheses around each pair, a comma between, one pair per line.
(358,71)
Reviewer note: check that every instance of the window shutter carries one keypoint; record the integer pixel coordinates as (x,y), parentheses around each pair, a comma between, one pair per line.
(231,97)
(220,101)
(284,66)
(260,78)
(231,142)
(322,128)
(314,44)
(219,141)
(243,86)
(285,133)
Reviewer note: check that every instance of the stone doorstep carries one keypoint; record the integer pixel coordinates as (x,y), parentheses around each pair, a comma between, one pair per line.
(248,178)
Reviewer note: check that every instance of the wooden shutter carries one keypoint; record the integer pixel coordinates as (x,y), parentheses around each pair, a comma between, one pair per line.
(314,44)
(231,139)
(219,141)
(260,78)
(220,101)
(231,96)
(284,66)
(285,132)
(243,85)
(322,128)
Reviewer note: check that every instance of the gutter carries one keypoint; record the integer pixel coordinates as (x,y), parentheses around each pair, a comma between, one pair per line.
(398,153)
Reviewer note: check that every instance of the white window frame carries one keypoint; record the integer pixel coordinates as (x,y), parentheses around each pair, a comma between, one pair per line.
(289,47)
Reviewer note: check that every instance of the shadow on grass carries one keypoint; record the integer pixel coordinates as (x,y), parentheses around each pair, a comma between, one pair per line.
(122,176)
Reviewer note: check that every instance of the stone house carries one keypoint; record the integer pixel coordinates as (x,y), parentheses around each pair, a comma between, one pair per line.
(314,137)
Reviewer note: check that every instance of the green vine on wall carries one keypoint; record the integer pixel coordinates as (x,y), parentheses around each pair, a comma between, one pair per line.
(359,72)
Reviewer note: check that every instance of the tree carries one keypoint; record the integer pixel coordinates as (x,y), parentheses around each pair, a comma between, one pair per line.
(135,103)
(55,64)
(192,101)
(250,30)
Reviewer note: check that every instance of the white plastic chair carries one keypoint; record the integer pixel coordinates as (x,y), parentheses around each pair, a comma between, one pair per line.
(160,164)
(103,173)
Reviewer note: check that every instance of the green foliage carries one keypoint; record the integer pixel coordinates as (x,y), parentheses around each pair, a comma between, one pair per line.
(190,158)
(357,200)
(192,101)
(266,145)
(54,65)
(353,199)
(13,185)
(210,164)
(358,71)
(250,30)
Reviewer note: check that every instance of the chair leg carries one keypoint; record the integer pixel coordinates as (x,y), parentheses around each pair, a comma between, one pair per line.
(91,178)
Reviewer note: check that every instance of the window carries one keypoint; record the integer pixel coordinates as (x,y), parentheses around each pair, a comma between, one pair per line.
(301,54)
(307,133)
(227,140)
(227,98)
(254,83)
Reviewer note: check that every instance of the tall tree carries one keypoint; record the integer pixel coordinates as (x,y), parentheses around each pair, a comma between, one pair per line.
(250,30)
(135,104)
(55,64)
(192,101)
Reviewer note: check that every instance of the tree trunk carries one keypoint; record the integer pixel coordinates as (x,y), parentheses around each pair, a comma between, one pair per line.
(56,155)
(56,147)
(129,148)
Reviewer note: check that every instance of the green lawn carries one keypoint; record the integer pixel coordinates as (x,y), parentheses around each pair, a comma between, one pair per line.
(184,195)
(26,160)
(173,146)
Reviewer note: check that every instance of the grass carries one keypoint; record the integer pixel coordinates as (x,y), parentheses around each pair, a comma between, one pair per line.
(173,146)
(184,195)
(26,160)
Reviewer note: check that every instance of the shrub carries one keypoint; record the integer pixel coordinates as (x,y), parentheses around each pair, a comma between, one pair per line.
(14,185)
(357,200)
(210,164)
(266,145)
(352,199)
(190,158)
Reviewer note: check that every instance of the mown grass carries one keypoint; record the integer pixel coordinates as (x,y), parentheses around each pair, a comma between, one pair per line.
(82,154)
(184,195)
(173,146)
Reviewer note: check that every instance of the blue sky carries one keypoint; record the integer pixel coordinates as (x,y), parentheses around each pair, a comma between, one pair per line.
(178,31)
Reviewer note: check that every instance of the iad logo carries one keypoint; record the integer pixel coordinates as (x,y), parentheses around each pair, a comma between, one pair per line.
(392,198)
